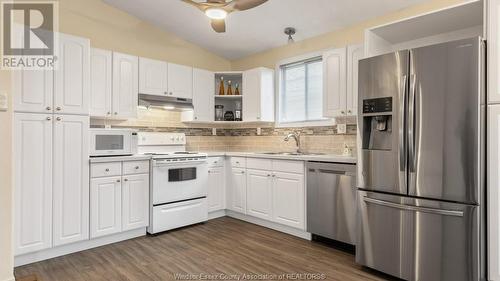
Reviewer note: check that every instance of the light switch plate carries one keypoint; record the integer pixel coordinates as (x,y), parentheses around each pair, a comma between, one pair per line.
(341,128)
(214,131)
(4,101)
(259,131)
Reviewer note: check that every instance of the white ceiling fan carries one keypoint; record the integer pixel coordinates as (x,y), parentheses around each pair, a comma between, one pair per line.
(217,10)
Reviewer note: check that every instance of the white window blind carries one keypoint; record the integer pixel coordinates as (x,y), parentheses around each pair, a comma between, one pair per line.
(301,95)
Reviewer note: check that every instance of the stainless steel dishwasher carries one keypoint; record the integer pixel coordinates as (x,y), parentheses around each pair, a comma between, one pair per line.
(331,201)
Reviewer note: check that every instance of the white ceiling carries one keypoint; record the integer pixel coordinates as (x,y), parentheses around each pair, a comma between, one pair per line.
(261,28)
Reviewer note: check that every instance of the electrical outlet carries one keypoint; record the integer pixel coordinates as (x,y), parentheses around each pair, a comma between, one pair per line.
(259,131)
(4,102)
(214,131)
(341,128)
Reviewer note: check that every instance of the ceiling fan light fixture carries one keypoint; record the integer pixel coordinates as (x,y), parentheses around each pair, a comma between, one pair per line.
(290,31)
(216,13)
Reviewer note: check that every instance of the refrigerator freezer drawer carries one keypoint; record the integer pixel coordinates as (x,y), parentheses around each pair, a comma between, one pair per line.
(417,239)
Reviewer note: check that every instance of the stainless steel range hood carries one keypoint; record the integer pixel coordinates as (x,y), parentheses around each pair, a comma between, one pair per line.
(165,102)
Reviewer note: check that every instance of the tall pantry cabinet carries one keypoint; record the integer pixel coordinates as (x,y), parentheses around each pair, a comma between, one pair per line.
(50,140)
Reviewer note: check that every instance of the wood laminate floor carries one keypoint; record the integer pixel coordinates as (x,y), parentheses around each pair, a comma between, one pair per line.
(222,246)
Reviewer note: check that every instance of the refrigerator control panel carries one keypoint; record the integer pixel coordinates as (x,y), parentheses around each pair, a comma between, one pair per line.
(377,105)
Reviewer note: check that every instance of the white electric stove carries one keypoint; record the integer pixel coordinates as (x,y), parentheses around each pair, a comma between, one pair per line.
(179,181)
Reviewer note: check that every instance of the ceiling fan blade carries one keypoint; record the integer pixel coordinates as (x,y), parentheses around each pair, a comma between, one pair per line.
(201,6)
(242,5)
(219,26)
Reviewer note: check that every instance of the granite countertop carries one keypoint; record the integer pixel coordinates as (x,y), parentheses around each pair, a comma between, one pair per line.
(136,157)
(322,158)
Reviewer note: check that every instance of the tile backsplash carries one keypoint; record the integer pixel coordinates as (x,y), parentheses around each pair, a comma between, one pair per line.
(313,139)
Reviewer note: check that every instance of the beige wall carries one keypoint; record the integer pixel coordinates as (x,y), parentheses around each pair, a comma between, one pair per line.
(6,260)
(110,28)
(350,35)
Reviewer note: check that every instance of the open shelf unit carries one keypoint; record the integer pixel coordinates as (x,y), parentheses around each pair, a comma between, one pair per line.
(230,102)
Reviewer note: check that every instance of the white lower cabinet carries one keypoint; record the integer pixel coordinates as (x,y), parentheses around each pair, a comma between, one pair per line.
(289,199)
(135,201)
(105,206)
(216,189)
(259,194)
(238,190)
(120,199)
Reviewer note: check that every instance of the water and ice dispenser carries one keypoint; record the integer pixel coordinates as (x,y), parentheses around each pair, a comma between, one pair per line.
(378,124)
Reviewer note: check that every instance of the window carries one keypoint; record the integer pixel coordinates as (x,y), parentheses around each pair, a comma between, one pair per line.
(301,91)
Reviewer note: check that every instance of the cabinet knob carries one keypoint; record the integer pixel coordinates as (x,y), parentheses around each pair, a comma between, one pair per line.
(109,113)
(274,176)
(258,117)
(268,175)
(48,118)
(48,108)
(117,180)
(349,111)
(195,118)
(58,108)
(58,118)
(171,93)
(125,179)
(242,172)
(343,112)
(215,162)
(116,113)
(107,170)
(209,172)
(165,93)
(137,167)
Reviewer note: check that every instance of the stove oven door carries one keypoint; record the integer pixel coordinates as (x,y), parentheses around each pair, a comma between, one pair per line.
(178,181)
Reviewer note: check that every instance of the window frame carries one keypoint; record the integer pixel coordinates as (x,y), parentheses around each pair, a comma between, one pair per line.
(280,85)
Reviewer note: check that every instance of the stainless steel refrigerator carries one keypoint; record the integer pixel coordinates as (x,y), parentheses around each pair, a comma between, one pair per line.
(421,164)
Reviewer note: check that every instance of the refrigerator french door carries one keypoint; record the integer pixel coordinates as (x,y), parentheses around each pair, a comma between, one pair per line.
(421,184)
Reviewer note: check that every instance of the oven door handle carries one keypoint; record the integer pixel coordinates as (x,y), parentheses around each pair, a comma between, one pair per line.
(168,164)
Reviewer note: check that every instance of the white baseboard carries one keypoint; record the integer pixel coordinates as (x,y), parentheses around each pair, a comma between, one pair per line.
(278,227)
(216,214)
(77,247)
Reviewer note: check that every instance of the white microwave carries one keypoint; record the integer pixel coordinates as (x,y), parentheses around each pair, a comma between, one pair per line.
(112,142)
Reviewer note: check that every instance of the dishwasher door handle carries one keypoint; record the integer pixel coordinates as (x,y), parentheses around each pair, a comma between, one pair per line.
(332,172)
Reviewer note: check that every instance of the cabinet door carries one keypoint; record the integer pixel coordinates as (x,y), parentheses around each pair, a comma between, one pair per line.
(493,195)
(493,63)
(71,179)
(105,206)
(33,90)
(32,163)
(180,81)
(238,190)
(125,85)
(259,194)
(72,76)
(258,95)
(135,204)
(101,63)
(216,189)
(354,54)
(334,83)
(203,95)
(288,199)
(152,77)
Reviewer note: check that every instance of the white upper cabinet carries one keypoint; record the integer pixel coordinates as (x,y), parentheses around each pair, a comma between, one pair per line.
(203,96)
(135,201)
(493,33)
(180,81)
(33,91)
(32,165)
(354,54)
(334,83)
(125,85)
(101,71)
(258,95)
(70,179)
(72,76)
(153,77)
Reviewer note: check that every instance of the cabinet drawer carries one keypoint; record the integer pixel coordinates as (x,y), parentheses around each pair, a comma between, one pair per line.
(287,166)
(110,169)
(215,161)
(260,164)
(238,162)
(135,167)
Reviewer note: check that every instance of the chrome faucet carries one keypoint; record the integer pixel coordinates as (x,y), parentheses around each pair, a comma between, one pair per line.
(296,137)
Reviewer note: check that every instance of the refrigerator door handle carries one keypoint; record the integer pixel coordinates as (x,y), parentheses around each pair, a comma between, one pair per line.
(414,208)
(411,124)
(402,141)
